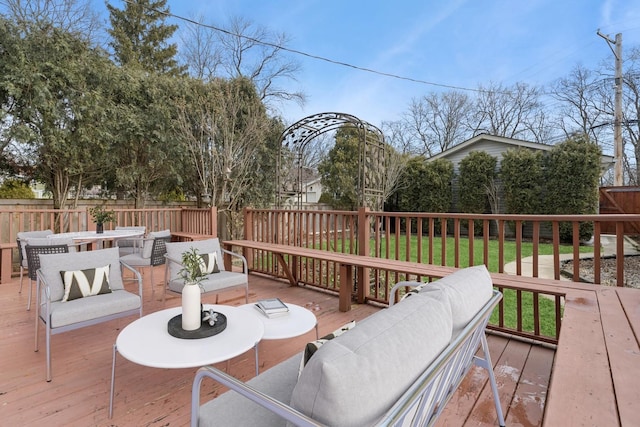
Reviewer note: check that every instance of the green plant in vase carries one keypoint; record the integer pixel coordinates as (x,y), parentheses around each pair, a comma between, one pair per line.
(101,215)
(192,274)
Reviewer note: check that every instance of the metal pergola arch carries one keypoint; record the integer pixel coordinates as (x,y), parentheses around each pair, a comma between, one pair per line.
(372,158)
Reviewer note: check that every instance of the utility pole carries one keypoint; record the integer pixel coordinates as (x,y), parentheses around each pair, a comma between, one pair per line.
(617,114)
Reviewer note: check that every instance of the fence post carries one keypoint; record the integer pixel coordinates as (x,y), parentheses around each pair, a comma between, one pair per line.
(363,249)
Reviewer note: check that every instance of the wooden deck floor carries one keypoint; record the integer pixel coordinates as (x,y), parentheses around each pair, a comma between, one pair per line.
(79,392)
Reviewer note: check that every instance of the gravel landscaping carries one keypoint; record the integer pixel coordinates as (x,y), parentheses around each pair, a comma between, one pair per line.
(607,270)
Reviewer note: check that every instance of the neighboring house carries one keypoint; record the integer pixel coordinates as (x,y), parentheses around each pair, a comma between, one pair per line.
(308,192)
(311,191)
(496,146)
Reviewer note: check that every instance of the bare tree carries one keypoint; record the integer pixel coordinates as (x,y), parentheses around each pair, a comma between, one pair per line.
(396,163)
(439,121)
(75,16)
(512,112)
(397,134)
(200,50)
(582,108)
(242,49)
(224,129)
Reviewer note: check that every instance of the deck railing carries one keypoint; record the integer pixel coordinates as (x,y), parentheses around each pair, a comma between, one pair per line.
(188,220)
(440,239)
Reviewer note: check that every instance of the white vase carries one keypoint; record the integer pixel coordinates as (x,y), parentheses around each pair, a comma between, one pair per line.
(191,314)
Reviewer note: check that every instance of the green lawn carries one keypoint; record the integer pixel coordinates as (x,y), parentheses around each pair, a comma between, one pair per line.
(478,250)
(545,306)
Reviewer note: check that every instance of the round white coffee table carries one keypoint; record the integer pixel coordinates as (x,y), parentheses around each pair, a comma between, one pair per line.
(296,322)
(146,341)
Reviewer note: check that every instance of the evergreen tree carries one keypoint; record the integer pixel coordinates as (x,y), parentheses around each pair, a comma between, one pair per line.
(140,37)
(339,170)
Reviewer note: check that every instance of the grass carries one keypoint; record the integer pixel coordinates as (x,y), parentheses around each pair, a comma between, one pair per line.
(546,306)
(478,249)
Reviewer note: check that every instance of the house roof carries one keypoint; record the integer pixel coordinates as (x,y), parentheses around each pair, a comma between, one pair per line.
(486,137)
(606,160)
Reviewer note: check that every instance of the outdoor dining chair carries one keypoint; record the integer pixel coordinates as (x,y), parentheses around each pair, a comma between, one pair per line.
(130,245)
(33,260)
(21,242)
(151,255)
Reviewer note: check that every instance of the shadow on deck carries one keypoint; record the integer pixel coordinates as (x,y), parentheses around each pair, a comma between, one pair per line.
(81,361)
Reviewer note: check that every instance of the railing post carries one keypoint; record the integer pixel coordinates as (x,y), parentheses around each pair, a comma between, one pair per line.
(91,226)
(363,249)
(248,223)
(619,253)
(248,234)
(213,221)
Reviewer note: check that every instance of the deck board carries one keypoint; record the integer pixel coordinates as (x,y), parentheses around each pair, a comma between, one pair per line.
(624,356)
(581,345)
(79,392)
(527,406)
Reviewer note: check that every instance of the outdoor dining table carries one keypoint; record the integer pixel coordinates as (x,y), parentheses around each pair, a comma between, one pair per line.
(96,240)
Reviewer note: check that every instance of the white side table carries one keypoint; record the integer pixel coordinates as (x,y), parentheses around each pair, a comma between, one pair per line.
(147,342)
(296,322)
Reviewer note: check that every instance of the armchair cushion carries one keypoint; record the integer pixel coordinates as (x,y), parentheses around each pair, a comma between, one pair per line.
(214,282)
(176,249)
(88,309)
(49,241)
(23,235)
(52,265)
(85,283)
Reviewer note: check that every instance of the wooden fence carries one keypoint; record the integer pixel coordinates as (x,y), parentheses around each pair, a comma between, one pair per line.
(620,200)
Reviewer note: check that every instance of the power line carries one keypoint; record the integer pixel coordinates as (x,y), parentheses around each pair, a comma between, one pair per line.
(312,56)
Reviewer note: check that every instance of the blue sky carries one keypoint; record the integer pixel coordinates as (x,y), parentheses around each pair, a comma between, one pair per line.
(461,43)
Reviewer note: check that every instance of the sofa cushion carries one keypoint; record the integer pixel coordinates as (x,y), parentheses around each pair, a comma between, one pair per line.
(395,341)
(231,409)
(313,346)
(467,290)
(85,283)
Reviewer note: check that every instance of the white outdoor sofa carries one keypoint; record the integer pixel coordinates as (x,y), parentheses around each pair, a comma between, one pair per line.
(398,367)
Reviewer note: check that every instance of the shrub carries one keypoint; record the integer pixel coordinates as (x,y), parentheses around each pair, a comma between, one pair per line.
(15,189)
(572,177)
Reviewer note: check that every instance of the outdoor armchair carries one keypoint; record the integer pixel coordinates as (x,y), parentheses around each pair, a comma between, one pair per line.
(217,280)
(79,289)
